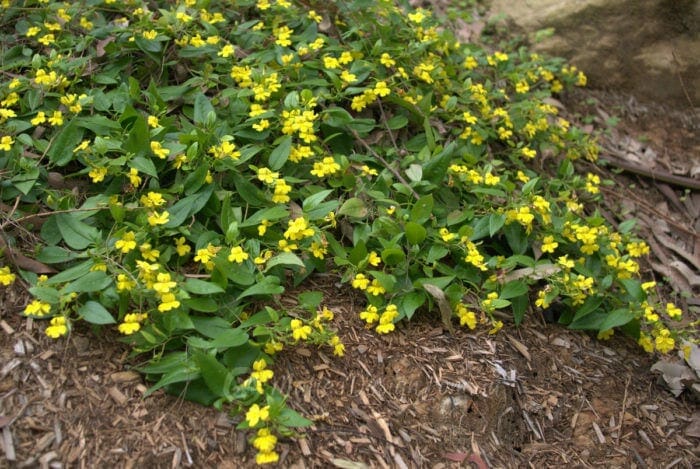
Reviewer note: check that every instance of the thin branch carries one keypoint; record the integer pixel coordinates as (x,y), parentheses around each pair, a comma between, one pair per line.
(676,180)
(384,162)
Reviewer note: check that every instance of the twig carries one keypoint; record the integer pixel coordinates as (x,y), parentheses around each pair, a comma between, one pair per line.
(622,412)
(680,79)
(384,162)
(650,208)
(655,175)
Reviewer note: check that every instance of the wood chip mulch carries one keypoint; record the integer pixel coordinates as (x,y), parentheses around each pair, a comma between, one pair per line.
(536,396)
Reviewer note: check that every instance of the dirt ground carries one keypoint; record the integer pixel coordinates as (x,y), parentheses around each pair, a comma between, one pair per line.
(534,396)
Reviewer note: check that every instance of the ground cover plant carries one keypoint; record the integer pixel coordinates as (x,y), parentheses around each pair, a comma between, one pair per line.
(177,165)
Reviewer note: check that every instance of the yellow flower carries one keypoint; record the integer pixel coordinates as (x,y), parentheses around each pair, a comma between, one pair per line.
(646,343)
(152,200)
(159,150)
(134,178)
(257,414)
(370,315)
(466,317)
(6,277)
(124,283)
(168,302)
(338,347)
(127,242)
(606,334)
(361,282)
(155,219)
(266,458)
(181,246)
(386,60)
(40,118)
(6,142)
(300,331)
(163,283)
(374,259)
(237,255)
(318,250)
(153,122)
(376,288)
(298,229)
(497,326)
(673,311)
(664,342)
(98,174)
(57,327)
(260,372)
(548,244)
(267,176)
(37,308)
(150,35)
(56,118)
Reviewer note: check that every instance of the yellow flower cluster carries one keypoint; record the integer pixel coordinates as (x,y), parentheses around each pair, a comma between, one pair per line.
(132,323)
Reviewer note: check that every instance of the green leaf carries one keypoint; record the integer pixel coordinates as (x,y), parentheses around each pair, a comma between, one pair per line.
(60,152)
(278,156)
(210,327)
(55,255)
(516,237)
(201,287)
(284,258)
(311,299)
(291,418)
(422,209)
(95,313)
(519,305)
(591,322)
(393,256)
(415,233)
(409,303)
(616,318)
(387,280)
(269,286)
(215,375)
(205,305)
(249,191)
(270,214)
(513,289)
(76,234)
(354,208)
(176,376)
(313,201)
(230,338)
(496,222)
(202,109)
(46,294)
(90,282)
(397,122)
(589,306)
(188,206)
(633,287)
(71,273)
(138,141)
(170,362)
(415,172)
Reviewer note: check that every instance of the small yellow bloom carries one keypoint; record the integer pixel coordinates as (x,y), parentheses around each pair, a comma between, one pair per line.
(57,327)
(7,278)
(237,255)
(257,414)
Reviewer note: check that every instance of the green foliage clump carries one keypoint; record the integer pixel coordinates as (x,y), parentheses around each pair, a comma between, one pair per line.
(178,163)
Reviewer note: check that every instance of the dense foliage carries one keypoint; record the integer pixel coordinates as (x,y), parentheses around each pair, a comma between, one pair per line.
(180,166)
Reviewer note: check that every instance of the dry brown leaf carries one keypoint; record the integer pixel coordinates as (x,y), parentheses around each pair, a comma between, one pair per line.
(444,305)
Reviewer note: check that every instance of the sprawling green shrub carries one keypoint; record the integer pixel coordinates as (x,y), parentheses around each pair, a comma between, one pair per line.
(177,164)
